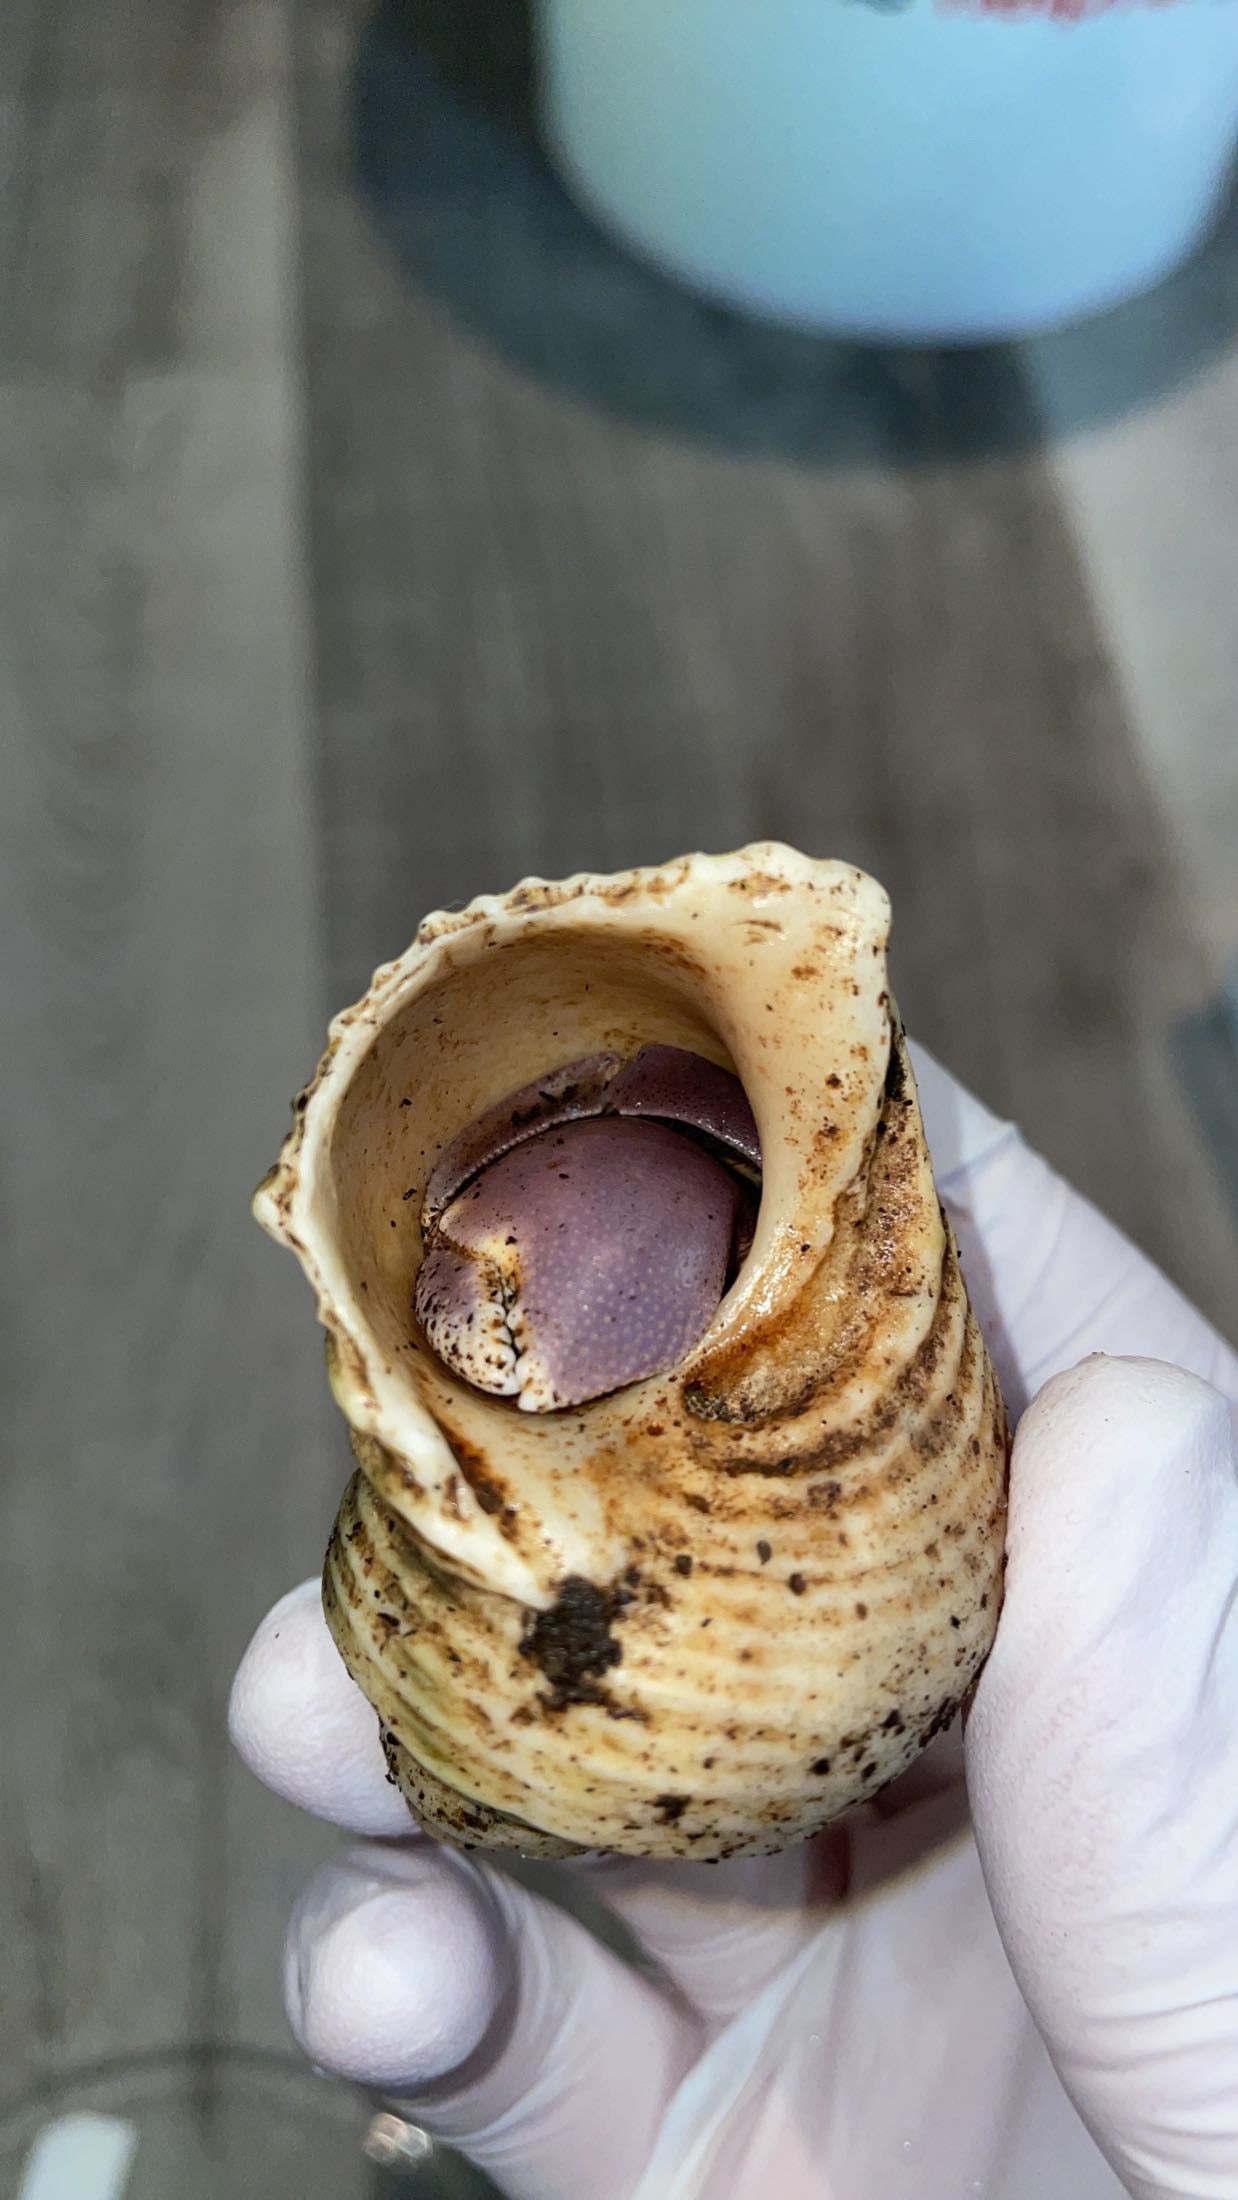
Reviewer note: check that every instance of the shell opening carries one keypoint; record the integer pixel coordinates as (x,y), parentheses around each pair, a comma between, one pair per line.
(495,1016)
(580,1235)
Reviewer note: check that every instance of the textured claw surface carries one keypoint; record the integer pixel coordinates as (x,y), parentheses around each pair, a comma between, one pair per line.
(566,1095)
(588,1258)
(681,1088)
(666,1082)
(709,1610)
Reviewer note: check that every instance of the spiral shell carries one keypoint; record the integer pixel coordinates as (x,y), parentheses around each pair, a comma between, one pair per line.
(708,1613)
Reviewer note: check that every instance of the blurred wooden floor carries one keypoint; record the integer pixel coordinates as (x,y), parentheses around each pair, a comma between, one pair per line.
(339,577)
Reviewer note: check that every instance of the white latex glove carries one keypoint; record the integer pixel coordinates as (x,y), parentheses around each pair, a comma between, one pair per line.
(843,2021)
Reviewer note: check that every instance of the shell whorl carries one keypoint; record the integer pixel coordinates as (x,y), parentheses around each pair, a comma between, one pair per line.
(705,1615)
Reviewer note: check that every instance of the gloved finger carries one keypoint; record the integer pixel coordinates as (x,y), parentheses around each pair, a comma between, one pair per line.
(494,2018)
(1100,1758)
(1049,1277)
(304,1728)
(720,1932)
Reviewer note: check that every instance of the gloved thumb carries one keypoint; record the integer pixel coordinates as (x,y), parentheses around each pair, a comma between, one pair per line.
(1102,1758)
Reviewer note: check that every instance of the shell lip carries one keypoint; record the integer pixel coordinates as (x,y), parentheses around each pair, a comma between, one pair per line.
(294,1203)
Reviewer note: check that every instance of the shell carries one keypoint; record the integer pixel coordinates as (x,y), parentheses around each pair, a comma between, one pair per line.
(708,1614)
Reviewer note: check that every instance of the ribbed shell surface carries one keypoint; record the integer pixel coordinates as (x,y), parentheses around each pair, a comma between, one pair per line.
(707,1614)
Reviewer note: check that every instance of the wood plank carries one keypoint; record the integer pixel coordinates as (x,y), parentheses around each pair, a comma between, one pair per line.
(174,1461)
(53,50)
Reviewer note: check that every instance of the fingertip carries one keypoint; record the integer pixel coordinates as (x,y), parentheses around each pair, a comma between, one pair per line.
(492,2013)
(1107,1395)
(303,1727)
(394,1967)
(1109,1450)
(1099,1752)
(1122,1539)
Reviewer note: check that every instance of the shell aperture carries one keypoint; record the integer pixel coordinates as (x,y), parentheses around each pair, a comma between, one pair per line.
(576,1241)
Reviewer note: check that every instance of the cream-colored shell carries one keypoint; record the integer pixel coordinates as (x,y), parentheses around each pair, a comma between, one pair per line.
(707,1614)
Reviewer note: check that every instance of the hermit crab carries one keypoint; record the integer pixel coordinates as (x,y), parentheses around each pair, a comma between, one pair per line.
(678,1518)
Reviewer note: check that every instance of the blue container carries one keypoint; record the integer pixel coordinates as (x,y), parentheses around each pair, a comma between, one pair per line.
(936,170)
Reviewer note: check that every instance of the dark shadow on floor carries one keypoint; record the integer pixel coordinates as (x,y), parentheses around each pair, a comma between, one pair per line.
(447,156)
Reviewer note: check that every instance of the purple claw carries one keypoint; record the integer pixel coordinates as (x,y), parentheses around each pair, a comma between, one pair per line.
(572,1248)
(566,1095)
(577,1263)
(684,1088)
(666,1082)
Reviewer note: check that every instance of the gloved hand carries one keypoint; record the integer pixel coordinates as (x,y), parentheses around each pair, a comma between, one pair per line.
(1032,2004)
